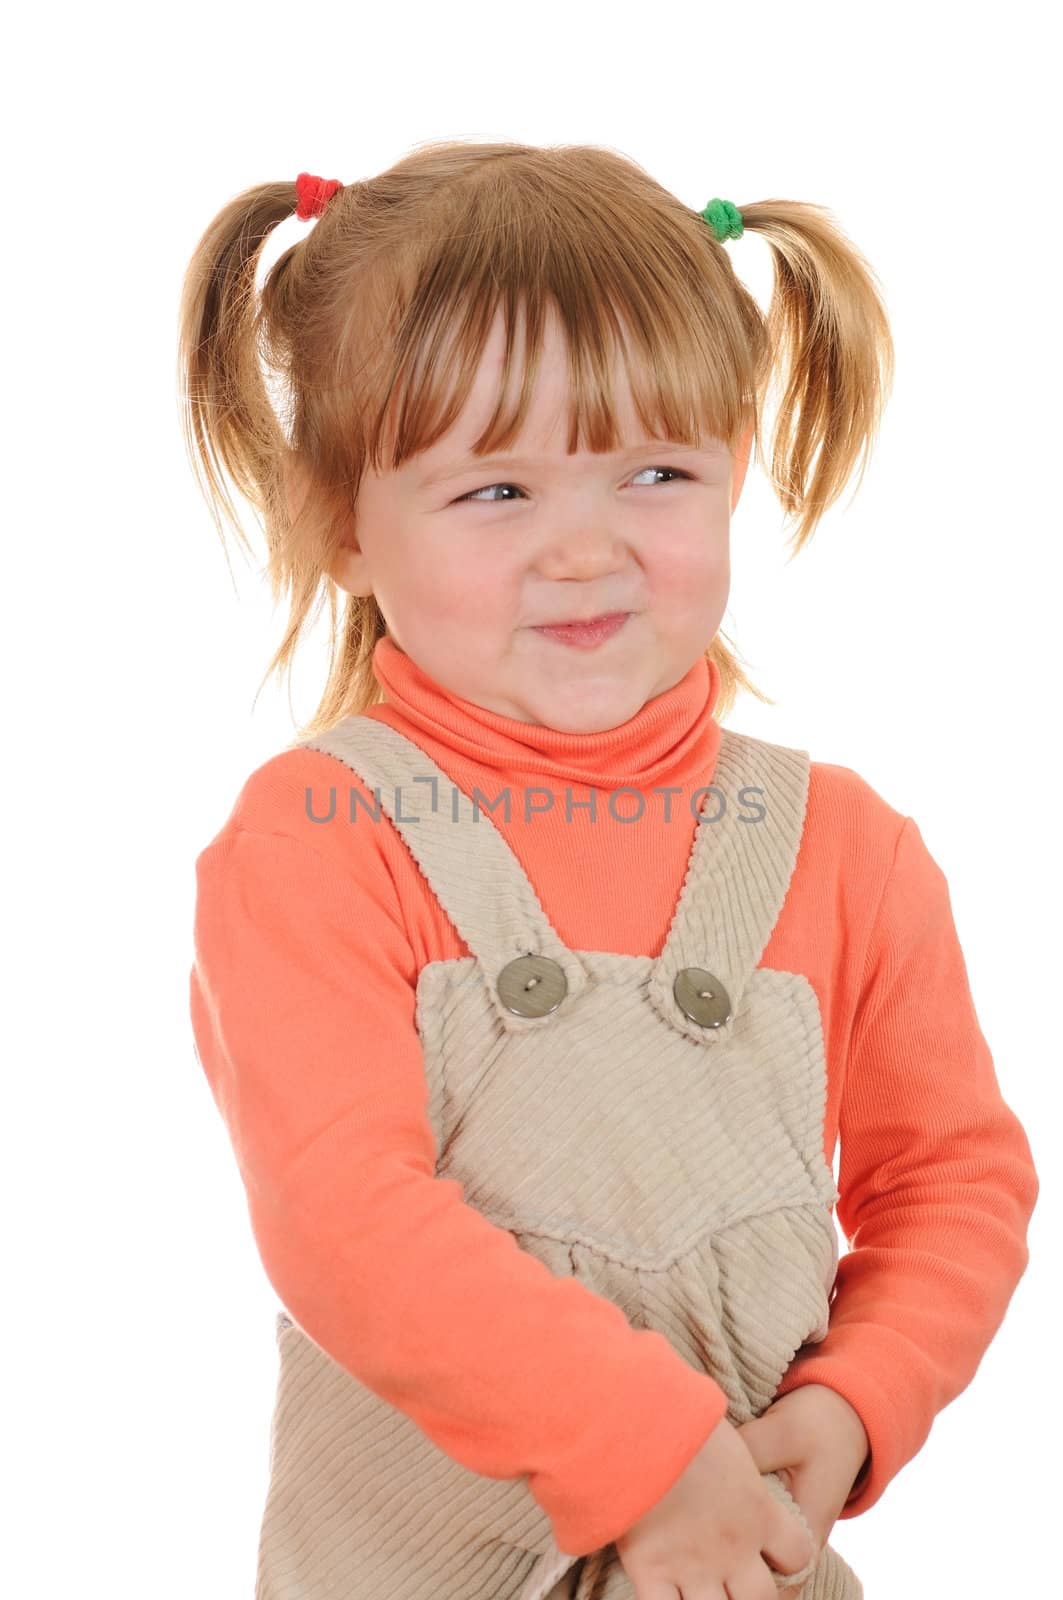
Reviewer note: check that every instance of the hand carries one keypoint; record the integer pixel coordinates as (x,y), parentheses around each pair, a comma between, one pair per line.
(816,1443)
(717,1530)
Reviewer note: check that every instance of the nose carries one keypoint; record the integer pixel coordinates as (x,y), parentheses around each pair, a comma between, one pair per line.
(581,547)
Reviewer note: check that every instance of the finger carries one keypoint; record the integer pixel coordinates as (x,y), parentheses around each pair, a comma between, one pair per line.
(656,1589)
(812,1508)
(763,1438)
(819,1496)
(787,1548)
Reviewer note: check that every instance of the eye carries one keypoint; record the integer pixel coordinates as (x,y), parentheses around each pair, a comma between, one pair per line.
(473,494)
(674,472)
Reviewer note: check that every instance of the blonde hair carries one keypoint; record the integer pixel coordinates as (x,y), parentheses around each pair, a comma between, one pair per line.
(373,326)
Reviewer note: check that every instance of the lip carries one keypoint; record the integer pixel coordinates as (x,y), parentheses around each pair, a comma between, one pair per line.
(586,632)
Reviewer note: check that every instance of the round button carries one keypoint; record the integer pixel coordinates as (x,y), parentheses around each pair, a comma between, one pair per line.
(702,997)
(532,986)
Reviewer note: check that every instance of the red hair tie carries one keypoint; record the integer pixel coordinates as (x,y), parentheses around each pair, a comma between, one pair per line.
(314,194)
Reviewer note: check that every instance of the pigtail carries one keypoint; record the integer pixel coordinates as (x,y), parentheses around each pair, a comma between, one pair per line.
(831,353)
(229,423)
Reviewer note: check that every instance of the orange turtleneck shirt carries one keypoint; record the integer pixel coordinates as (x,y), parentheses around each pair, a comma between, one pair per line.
(308,944)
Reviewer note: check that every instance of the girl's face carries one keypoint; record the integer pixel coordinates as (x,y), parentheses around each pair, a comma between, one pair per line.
(465,557)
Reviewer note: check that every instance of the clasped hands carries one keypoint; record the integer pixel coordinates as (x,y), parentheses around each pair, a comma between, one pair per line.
(816,1443)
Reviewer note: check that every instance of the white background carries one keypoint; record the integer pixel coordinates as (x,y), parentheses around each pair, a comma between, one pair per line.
(915,640)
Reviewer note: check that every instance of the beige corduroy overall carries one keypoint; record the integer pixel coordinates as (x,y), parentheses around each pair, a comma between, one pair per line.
(651,1125)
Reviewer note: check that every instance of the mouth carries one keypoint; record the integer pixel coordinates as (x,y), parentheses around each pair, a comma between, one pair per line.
(587,632)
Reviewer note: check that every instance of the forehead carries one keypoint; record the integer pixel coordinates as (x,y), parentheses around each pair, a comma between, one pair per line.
(524,407)
(551,388)
(545,430)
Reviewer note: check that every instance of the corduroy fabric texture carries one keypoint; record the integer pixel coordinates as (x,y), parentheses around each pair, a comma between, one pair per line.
(676,1170)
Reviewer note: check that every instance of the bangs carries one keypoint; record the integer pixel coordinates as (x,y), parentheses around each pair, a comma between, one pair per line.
(662,312)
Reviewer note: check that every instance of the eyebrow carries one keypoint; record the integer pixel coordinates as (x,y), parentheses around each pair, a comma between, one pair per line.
(485,463)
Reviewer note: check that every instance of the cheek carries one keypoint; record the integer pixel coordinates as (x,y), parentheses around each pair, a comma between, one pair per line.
(483,586)
(693,566)
(457,591)
(474,583)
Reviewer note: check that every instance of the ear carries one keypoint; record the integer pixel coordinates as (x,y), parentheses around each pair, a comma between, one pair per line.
(741,465)
(347,569)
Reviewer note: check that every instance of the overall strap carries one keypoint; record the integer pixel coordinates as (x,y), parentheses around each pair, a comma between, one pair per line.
(741,863)
(469,866)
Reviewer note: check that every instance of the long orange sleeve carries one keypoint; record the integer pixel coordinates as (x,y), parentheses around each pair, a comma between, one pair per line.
(302,1002)
(308,944)
(936,1183)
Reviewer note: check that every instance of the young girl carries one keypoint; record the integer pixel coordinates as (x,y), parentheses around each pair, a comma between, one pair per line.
(535,1000)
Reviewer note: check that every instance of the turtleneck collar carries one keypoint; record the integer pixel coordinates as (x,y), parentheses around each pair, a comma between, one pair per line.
(673,738)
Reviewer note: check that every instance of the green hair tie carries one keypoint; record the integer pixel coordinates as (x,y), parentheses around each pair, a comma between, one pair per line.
(723,218)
